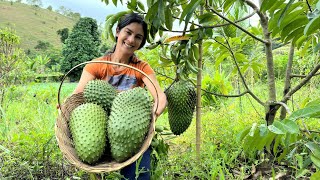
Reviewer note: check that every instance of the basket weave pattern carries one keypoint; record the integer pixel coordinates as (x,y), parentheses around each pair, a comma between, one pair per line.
(65,142)
(64,139)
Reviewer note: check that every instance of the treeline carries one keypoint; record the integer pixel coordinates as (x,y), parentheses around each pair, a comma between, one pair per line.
(61,10)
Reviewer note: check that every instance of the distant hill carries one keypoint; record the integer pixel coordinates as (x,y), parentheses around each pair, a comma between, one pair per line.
(33,23)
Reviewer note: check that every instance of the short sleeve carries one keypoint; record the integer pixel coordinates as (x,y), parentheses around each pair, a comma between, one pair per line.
(146,68)
(96,69)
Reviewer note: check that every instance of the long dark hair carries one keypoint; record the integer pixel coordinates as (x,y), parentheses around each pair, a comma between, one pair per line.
(133,18)
(128,19)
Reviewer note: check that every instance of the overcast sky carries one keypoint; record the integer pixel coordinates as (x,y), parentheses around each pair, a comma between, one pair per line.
(97,9)
(87,8)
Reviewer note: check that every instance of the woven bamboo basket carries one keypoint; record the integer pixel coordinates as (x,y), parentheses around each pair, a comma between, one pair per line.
(64,139)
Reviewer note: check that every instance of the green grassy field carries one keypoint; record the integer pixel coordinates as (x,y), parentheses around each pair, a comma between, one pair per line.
(33,23)
(29,150)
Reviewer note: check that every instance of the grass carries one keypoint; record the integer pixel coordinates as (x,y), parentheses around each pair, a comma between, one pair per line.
(29,150)
(33,23)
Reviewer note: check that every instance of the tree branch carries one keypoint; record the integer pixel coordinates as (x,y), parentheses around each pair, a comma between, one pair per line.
(287,83)
(239,71)
(310,9)
(302,76)
(284,105)
(227,96)
(213,26)
(213,93)
(302,83)
(236,25)
(161,74)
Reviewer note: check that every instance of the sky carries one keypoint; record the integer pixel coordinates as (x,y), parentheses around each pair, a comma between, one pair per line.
(87,8)
(97,9)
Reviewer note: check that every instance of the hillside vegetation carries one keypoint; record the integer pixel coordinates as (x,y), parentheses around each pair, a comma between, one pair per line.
(33,24)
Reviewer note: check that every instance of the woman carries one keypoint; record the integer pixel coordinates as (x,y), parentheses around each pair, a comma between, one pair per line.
(131,35)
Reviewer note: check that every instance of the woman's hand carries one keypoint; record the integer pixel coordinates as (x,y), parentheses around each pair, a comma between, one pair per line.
(160,99)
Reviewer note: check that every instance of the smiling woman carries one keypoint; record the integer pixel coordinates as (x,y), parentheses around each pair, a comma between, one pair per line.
(131,35)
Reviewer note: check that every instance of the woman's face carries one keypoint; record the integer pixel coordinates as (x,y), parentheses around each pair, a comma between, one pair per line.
(129,38)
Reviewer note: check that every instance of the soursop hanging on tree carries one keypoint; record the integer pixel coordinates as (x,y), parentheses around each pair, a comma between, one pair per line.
(88,127)
(129,122)
(181,97)
(100,92)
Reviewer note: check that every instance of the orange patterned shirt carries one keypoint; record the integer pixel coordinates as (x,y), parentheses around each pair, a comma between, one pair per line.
(124,79)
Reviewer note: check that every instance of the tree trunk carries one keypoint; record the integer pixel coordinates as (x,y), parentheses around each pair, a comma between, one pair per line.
(270,109)
(198,111)
(287,84)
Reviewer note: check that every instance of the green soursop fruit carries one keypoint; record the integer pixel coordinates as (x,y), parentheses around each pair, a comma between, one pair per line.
(129,122)
(181,97)
(100,92)
(88,127)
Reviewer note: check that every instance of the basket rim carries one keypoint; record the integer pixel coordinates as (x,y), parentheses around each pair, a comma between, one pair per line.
(113,165)
(113,63)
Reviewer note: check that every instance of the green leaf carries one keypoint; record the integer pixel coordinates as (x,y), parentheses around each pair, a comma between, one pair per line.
(313,103)
(188,11)
(152,12)
(220,59)
(273,22)
(275,129)
(294,12)
(263,130)
(282,155)
(316,175)
(207,19)
(150,3)
(161,11)
(276,144)
(300,41)
(314,148)
(228,4)
(140,5)
(294,34)
(282,127)
(279,4)
(256,67)
(295,24)
(312,26)
(240,57)
(305,48)
(317,48)
(305,112)
(267,4)
(315,160)
(165,61)
(284,11)
(243,134)
(269,139)
(168,18)
(318,5)
(253,129)
(115,2)
(265,134)
(105,1)
(291,126)
(292,152)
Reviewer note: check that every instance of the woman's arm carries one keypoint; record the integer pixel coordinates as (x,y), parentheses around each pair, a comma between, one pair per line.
(162,97)
(85,77)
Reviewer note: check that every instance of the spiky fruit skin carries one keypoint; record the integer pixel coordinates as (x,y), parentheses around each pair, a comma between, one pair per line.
(100,92)
(181,97)
(88,127)
(129,122)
